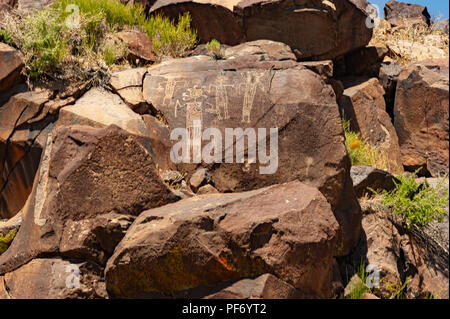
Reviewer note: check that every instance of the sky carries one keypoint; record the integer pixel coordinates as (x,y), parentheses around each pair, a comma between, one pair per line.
(436,8)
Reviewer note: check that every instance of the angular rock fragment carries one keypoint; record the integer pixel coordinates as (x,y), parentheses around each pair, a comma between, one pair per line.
(87,179)
(363,104)
(288,230)
(10,67)
(266,286)
(421,116)
(54,279)
(366,178)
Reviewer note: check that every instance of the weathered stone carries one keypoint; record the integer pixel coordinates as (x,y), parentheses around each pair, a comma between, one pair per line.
(10,67)
(266,286)
(85,175)
(21,145)
(54,279)
(100,108)
(365,177)
(200,178)
(401,254)
(398,13)
(388,75)
(313,29)
(421,116)
(441,25)
(381,245)
(363,104)
(247,93)
(11,224)
(338,88)
(140,48)
(158,136)
(322,68)
(272,50)
(430,277)
(207,189)
(415,51)
(288,230)
(128,84)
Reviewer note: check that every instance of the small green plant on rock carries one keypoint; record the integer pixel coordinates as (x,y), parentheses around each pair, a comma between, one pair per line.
(418,204)
(360,288)
(5,241)
(214,48)
(77,39)
(6,38)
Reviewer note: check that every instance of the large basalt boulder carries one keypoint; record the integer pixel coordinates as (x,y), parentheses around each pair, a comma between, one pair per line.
(100,108)
(251,92)
(90,184)
(288,230)
(406,257)
(54,279)
(363,104)
(398,13)
(367,179)
(421,116)
(10,67)
(313,29)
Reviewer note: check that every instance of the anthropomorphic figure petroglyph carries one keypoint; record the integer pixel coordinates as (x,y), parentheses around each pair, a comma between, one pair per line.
(194,107)
(221,99)
(168,92)
(251,85)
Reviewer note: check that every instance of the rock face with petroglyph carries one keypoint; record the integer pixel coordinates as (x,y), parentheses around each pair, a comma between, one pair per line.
(251,92)
(421,114)
(288,230)
(333,27)
(90,184)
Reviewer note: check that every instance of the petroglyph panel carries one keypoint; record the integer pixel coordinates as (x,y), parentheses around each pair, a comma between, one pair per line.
(211,98)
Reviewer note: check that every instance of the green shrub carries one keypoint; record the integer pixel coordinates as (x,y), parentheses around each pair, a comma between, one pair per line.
(6,38)
(53,47)
(360,289)
(214,48)
(40,38)
(5,241)
(169,39)
(417,204)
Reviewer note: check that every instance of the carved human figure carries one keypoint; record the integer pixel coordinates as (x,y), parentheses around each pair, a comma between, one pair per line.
(251,86)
